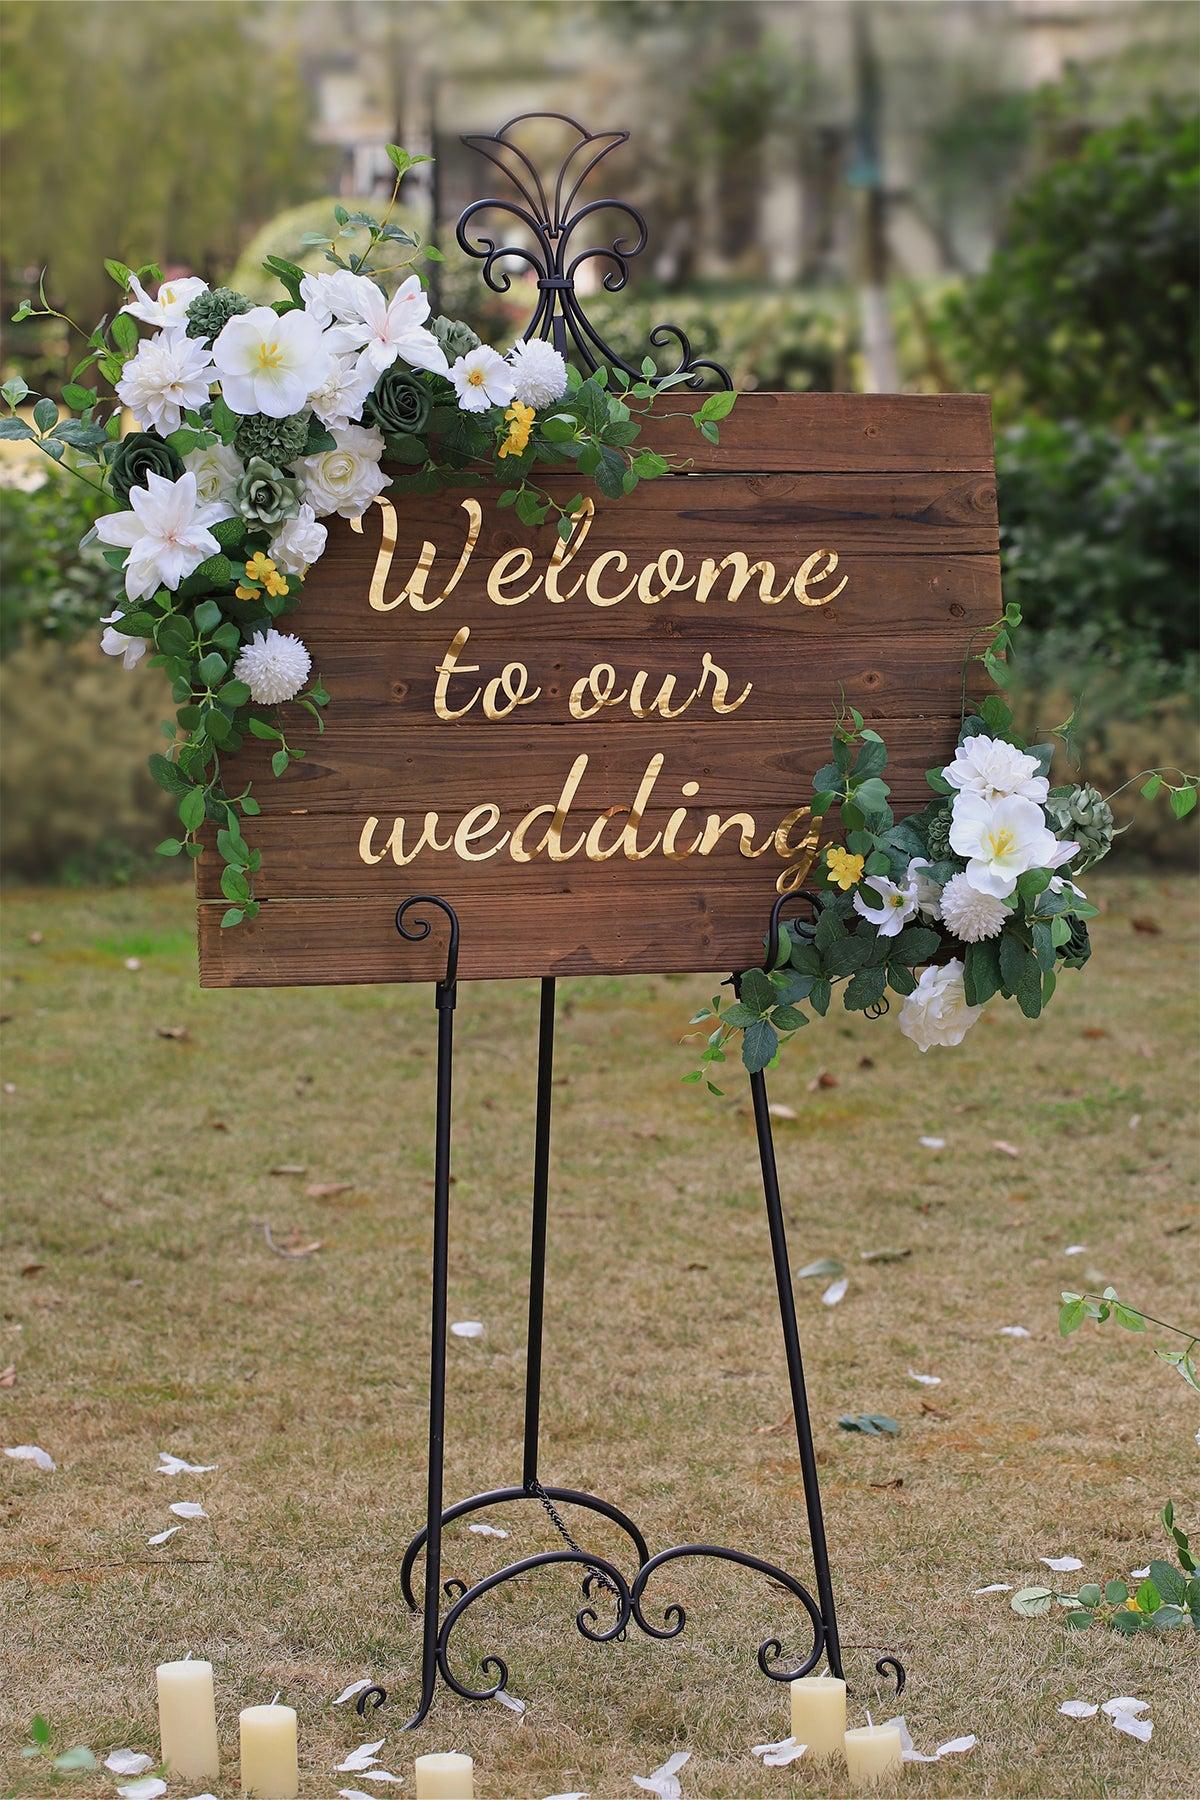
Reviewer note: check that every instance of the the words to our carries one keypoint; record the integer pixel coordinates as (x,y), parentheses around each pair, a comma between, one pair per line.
(466,694)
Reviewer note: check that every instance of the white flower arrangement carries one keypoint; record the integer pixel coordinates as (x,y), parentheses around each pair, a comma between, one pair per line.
(255,423)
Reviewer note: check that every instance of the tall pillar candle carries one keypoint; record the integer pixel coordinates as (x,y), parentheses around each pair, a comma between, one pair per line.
(187,1720)
(873,1754)
(819,1714)
(445,1777)
(268,1741)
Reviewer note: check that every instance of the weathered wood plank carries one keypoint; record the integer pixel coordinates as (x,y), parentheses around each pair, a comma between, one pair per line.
(805,432)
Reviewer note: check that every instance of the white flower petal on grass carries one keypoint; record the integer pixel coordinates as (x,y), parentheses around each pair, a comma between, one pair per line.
(129,1762)
(150,1787)
(778,1756)
(665,1780)
(836,1291)
(1013,1331)
(1074,1249)
(169,375)
(166,532)
(539,371)
(1144,1574)
(1125,1705)
(1078,1709)
(468,1328)
(160,1537)
(952,1747)
(356,1687)
(175,1465)
(1142,1729)
(936,1012)
(482,379)
(995,1587)
(510,1701)
(362,1758)
(379,1775)
(957,1746)
(274,665)
(41,1459)
(932,1143)
(269,362)
(1062,1565)
(353,1794)
(202,1797)
(187,1509)
(925,1380)
(579,1794)
(488,1530)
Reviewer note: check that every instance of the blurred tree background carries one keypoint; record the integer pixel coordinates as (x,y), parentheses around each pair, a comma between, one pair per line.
(929,194)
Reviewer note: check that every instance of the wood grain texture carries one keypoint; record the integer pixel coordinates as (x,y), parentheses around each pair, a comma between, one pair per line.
(901,488)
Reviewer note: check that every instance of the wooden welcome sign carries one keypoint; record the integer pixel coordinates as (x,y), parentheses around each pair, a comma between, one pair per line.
(599,750)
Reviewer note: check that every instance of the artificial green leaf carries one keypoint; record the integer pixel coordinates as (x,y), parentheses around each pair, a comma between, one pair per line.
(981,973)
(865,989)
(1032,1602)
(279,762)
(260,729)
(233,916)
(1116,1593)
(758,991)
(759,1043)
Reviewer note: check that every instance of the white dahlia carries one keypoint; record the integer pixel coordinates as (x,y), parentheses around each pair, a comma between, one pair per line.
(539,371)
(169,375)
(274,667)
(993,769)
(969,915)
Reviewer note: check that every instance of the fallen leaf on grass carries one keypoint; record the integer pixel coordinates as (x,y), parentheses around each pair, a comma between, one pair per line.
(129,1762)
(41,1459)
(32,1268)
(870,1424)
(778,1756)
(866,1062)
(935,1412)
(932,1143)
(356,1687)
(187,1509)
(468,1328)
(1062,1565)
(1149,927)
(34,938)
(778,1110)
(8,1376)
(288,1169)
(836,1291)
(175,1032)
(1078,1709)
(326,1190)
(873,1256)
(1004,1147)
(824,1265)
(1094,1031)
(897,1481)
(160,1537)
(823,1080)
(925,1380)
(175,1465)
(665,1780)
(781,1425)
(293,1246)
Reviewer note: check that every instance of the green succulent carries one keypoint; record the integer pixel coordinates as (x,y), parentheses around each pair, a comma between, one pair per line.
(266,496)
(209,313)
(276,441)
(937,834)
(1084,814)
(455,337)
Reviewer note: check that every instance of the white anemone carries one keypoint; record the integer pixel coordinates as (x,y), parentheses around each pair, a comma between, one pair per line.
(481,379)
(1000,840)
(897,904)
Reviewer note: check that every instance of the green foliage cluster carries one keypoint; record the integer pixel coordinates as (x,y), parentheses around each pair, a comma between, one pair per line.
(1090,308)
(1162,1601)
(52,589)
(1076,1308)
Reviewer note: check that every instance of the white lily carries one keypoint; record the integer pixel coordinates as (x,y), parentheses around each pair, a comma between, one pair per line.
(897,905)
(1000,840)
(993,769)
(392,328)
(167,311)
(269,363)
(166,533)
(114,643)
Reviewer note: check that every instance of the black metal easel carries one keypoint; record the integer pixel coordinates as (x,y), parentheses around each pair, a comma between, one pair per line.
(549,221)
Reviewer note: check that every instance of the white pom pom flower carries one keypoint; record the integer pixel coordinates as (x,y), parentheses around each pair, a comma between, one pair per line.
(274,667)
(539,372)
(970,915)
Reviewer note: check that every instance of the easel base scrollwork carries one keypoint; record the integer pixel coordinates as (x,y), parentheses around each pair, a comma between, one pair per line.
(603,1581)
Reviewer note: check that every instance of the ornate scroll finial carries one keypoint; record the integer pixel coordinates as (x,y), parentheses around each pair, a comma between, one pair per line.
(547,210)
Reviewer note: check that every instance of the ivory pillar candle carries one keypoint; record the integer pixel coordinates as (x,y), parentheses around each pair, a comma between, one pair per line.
(445,1777)
(268,1743)
(187,1720)
(873,1754)
(819,1714)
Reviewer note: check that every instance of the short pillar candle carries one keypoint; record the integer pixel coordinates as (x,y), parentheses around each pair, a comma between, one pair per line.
(268,1743)
(445,1777)
(187,1720)
(819,1714)
(873,1754)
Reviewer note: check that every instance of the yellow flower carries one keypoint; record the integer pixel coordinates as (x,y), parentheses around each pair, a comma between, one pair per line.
(260,567)
(246,593)
(845,871)
(520,424)
(276,583)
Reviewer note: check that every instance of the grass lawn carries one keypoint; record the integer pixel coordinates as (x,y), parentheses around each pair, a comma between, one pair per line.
(144,1310)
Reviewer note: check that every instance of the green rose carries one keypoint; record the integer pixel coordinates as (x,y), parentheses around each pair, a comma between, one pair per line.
(455,337)
(399,403)
(138,455)
(266,496)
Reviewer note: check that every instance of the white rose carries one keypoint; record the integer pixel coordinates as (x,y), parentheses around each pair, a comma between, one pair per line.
(346,479)
(217,470)
(300,542)
(936,1012)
